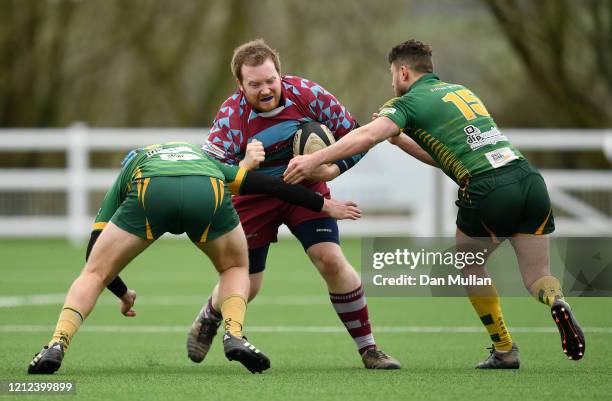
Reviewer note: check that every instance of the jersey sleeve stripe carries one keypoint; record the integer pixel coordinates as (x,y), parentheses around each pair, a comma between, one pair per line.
(99,225)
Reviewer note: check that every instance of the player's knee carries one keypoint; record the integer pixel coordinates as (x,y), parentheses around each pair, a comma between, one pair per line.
(328,262)
(240,269)
(236,263)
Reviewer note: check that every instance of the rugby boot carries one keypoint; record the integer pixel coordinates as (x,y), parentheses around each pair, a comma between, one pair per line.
(239,349)
(374,358)
(501,360)
(572,337)
(48,360)
(201,335)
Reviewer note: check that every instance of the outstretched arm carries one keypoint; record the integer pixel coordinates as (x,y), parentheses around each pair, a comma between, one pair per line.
(356,141)
(242,182)
(257,183)
(408,145)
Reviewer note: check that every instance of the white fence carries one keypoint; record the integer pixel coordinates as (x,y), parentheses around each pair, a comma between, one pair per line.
(398,194)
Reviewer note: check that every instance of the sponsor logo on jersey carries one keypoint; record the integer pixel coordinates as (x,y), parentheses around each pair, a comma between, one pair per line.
(174,157)
(175,150)
(501,157)
(387,110)
(477,139)
(439,87)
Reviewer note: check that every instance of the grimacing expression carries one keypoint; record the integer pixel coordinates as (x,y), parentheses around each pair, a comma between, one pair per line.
(261,85)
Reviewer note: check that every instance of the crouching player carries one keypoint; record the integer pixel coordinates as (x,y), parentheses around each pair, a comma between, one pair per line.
(176,188)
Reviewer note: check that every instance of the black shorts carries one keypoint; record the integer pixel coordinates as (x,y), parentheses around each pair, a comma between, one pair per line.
(510,200)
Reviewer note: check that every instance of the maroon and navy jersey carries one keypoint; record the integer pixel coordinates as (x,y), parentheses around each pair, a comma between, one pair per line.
(236,124)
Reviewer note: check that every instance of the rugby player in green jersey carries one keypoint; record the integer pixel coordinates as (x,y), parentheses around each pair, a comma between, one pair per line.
(501,195)
(177,188)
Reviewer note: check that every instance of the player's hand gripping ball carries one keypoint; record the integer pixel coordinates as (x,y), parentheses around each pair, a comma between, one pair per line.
(310,137)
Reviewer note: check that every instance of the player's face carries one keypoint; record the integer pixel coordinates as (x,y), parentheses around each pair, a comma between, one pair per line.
(397,81)
(261,85)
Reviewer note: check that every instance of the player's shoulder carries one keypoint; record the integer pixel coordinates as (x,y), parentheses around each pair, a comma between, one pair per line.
(300,86)
(398,101)
(131,155)
(233,103)
(229,113)
(297,81)
(389,108)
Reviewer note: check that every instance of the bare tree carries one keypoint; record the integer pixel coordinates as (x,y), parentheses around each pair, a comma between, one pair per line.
(566,48)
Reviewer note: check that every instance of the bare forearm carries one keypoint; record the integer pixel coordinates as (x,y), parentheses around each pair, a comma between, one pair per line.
(358,140)
(409,146)
(325,172)
(354,142)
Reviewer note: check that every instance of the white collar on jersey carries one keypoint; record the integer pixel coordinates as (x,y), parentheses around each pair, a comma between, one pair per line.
(273,112)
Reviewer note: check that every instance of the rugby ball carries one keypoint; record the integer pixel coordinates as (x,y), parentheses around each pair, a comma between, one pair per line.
(310,137)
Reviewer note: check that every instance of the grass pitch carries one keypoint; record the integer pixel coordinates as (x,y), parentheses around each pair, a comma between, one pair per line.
(437,340)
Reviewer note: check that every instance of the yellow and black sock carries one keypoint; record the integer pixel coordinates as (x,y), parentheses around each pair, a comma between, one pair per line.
(233,310)
(69,321)
(488,306)
(546,289)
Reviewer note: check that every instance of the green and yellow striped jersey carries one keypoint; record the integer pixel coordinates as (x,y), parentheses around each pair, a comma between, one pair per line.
(168,159)
(451,124)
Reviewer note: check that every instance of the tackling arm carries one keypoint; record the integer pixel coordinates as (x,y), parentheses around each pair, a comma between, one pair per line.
(408,145)
(356,141)
(239,181)
(299,195)
(257,183)
(359,141)
(242,182)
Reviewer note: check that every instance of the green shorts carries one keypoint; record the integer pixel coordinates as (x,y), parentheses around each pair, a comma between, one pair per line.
(194,204)
(510,200)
